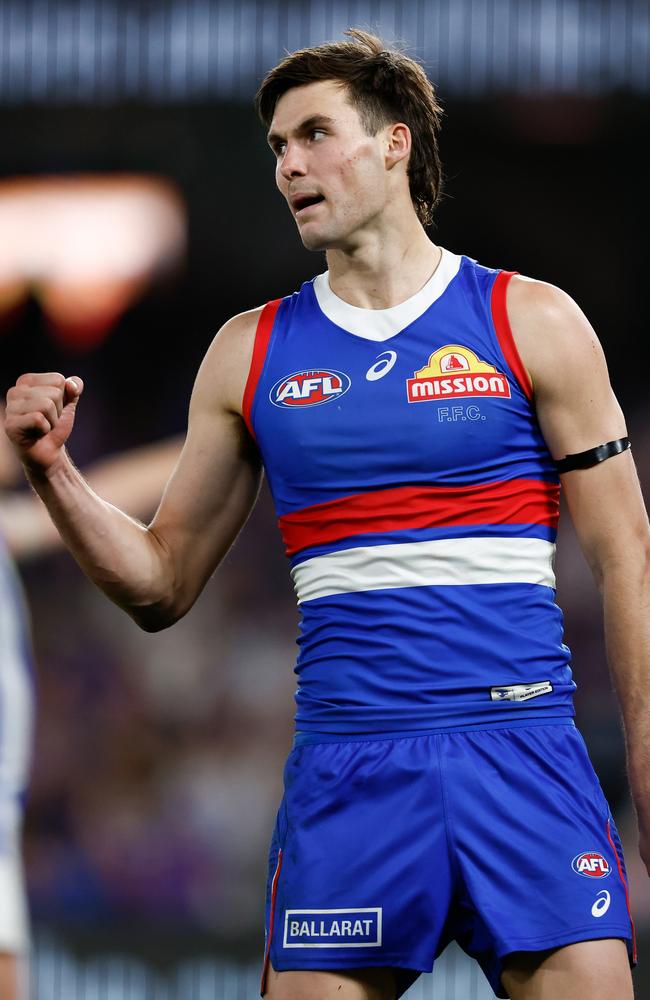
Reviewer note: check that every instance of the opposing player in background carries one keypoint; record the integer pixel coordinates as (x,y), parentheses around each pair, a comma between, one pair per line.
(134,480)
(412,410)
(16,713)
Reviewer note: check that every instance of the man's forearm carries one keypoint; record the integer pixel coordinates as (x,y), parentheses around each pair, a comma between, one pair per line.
(626,599)
(118,553)
(132,480)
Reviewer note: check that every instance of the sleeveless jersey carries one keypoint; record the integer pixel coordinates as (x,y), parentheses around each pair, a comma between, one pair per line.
(418,503)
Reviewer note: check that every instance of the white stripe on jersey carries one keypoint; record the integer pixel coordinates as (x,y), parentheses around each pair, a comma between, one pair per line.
(442,562)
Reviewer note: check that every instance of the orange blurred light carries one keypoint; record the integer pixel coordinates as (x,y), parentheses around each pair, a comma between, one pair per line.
(87,247)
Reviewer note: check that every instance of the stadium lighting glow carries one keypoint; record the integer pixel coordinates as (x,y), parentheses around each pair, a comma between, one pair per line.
(87,247)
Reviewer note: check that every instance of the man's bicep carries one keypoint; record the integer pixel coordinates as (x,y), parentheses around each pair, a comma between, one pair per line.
(578,411)
(216,480)
(209,495)
(575,404)
(580,415)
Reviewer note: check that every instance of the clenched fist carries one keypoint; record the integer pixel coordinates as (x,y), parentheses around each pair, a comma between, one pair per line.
(39,417)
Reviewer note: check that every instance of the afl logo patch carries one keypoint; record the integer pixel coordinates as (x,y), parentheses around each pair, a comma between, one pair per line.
(309,388)
(591,865)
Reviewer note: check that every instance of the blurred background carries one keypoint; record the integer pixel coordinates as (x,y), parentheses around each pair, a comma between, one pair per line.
(137,213)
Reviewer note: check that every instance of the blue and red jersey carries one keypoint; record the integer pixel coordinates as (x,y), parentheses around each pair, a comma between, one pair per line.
(418,503)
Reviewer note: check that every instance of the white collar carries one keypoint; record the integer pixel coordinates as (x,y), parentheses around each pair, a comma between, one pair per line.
(382,324)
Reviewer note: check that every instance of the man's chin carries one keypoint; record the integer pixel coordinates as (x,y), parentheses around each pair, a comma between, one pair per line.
(322,240)
(316,237)
(314,241)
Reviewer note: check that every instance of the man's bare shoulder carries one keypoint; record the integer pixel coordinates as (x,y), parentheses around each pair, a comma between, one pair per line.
(550,330)
(546,300)
(224,370)
(236,337)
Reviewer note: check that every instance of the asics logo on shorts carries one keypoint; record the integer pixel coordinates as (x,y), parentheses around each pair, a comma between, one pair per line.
(332,928)
(601,906)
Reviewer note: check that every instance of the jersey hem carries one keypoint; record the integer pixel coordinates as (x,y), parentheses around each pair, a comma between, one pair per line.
(307,738)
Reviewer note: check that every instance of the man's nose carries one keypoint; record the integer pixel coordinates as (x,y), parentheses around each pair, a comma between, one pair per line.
(293,162)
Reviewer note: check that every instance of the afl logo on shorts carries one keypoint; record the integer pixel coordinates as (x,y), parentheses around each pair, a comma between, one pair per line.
(591,865)
(309,388)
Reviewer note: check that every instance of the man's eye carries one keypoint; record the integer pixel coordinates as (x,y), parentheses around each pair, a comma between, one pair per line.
(317,133)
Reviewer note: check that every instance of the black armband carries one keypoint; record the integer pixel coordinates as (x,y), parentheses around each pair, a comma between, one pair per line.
(585,459)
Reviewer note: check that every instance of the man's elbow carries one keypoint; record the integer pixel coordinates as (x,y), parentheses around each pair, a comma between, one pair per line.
(162,599)
(155,608)
(158,615)
(152,619)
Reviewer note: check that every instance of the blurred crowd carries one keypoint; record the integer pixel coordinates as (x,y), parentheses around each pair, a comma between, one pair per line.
(158,757)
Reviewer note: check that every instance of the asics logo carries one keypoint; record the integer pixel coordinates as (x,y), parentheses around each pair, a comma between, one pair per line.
(382,366)
(601,906)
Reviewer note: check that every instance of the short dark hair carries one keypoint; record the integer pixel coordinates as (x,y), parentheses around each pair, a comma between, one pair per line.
(385,86)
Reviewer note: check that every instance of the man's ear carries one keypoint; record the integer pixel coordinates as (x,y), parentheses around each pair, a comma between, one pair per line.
(398,144)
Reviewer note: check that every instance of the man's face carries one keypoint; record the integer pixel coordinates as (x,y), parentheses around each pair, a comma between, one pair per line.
(330,171)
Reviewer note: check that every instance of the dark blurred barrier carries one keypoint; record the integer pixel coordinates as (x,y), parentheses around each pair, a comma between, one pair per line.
(57,975)
(103,51)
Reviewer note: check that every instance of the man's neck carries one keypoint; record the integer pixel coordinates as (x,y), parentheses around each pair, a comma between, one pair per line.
(382,273)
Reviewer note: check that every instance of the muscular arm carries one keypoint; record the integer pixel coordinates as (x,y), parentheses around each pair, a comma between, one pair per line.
(577,410)
(153,572)
(132,481)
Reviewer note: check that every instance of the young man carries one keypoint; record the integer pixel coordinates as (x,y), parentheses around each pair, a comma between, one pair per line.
(409,407)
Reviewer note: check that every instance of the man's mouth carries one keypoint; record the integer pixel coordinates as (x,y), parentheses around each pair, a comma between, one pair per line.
(304,201)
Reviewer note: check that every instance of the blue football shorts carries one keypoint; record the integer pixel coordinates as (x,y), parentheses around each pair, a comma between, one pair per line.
(386,849)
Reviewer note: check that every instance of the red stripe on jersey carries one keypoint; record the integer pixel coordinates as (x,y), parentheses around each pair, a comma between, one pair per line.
(627,894)
(262,337)
(267,952)
(515,501)
(504,332)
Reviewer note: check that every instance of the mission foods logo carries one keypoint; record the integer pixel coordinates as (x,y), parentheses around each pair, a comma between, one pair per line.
(591,865)
(455,371)
(333,928)
(309,388)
